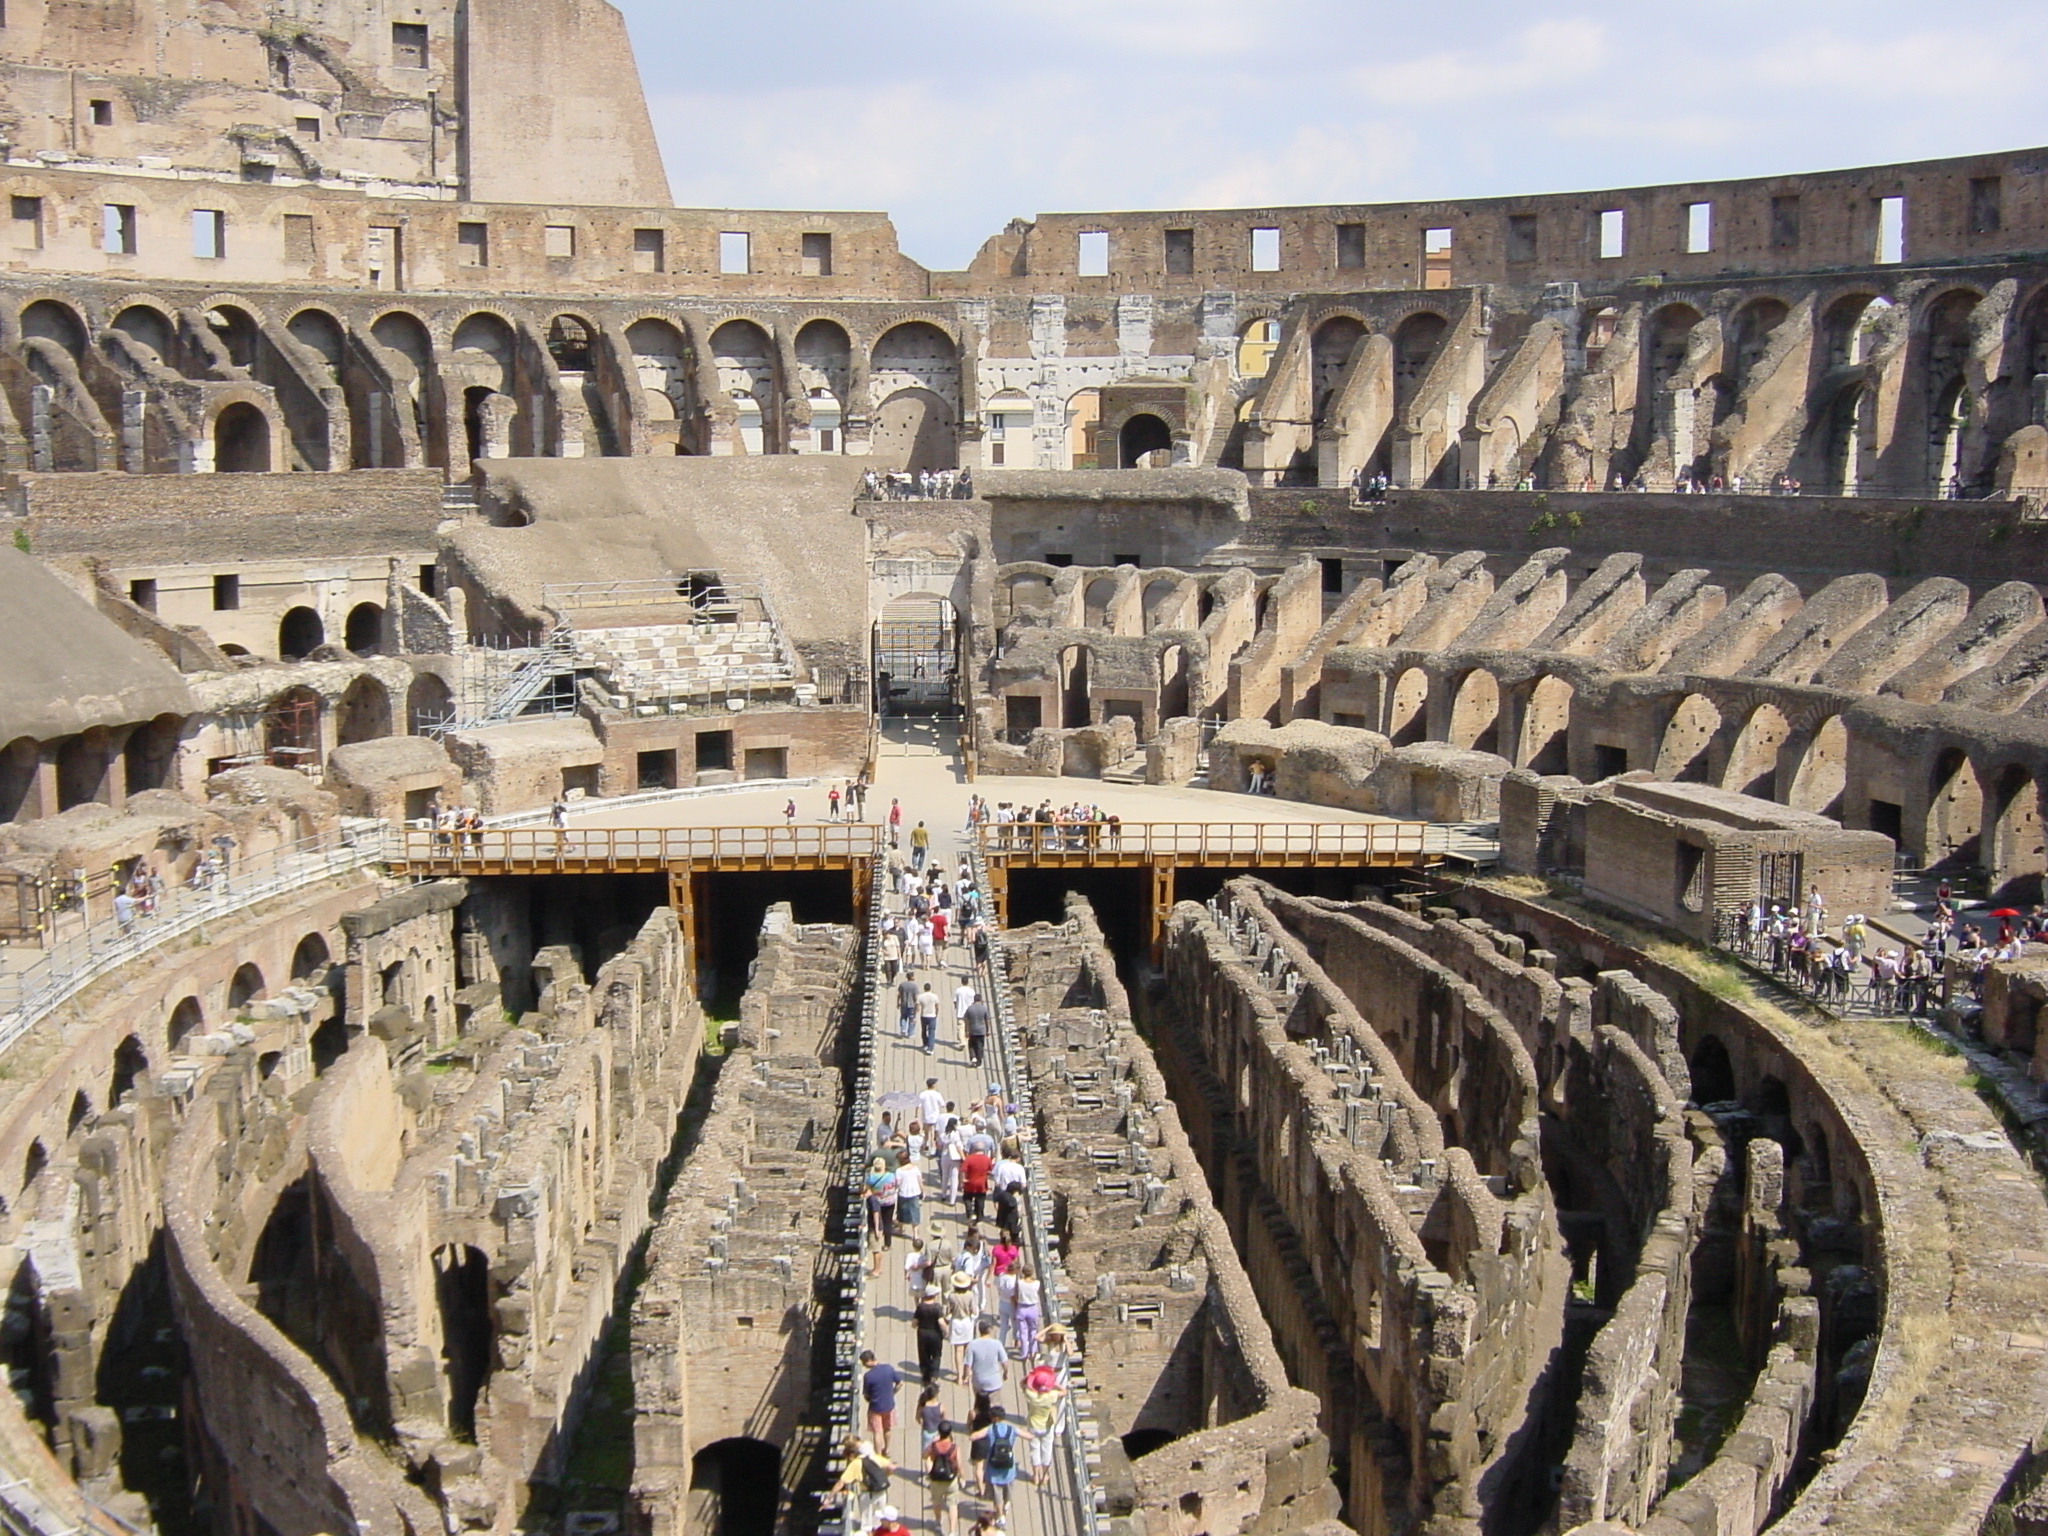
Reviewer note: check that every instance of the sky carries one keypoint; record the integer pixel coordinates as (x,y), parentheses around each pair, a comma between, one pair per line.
(956,116)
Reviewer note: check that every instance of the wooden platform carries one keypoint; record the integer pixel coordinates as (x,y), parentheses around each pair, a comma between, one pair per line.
(1165,846)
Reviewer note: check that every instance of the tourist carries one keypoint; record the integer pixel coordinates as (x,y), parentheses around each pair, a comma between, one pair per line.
(881,1186)
(988,1364)
(920,846)
(906,1001)
(889,1523)
(952,1151)
(999,1436)
(1044,1397)
(1030,1312)
(962,1314)
(909,1191)
(929,1319)
(974,1024)
(931,1104)
(974,1171)
(928,1012)
(895,823)
(832,803)
(878,1383)
(789,814)
(941,1476)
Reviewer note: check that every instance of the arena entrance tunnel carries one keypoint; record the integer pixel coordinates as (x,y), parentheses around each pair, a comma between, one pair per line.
(593,887)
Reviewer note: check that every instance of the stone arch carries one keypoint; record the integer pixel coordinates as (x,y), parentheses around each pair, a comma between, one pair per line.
(1752,767)
(428,703)
(311,958)
(82,762)
(1849,428)
(34,1162)
(54,321)
(1256,344)
(236,328)
(147,326)
(1750,331)
(20,763)
(322,334)
(1074,701)
(1331,349)
(1955,811)
(1843,326)
(242,440)
(1173,682)
(406,337)
(299,634)
(665,365)
(187,1019)
(1823,771)
(364,713)
(363,630)
(914,430)
(744,357)
(1095,600)
(1144,441)
(1475,712)
(2012,817)
(1408,708)
(462,1292)
(571,341)
(1712,1072)
(1546,723)
(130,1064)
(1683,750)
(1416,340)
(740,1480)
(291,729)
(79,1113)
(824,362)
(916,354)
(149,754)
(245,986)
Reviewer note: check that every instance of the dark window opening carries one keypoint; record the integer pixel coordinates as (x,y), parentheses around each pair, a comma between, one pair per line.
(102,113)
(657,770)
(767,762)
(1333,573)
(1180,252)
(142,593)
(650,250)
(817,255)
(1125,560)
(1609,761)
(472,244)
(409,44)
(307,128)
(1059,560)
(227,593)
(1987,215)
(714,751)
(1888,817)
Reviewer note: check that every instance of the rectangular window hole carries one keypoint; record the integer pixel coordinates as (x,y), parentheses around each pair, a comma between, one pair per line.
(307,128)
(117,229)
(1180,252)
(1092,259)
(142,593)
(735,255)
(472,244)
(409,44)
(1891,230)
(817,254)
(227,593)
(1987,214)
(209,234)
(27,213)
(1436,258)
(714,751)
(1266,249)
(102,113)
(1613,233)
(650,250)
(1699,228)
(1350,247)
(430,580)
(559,241)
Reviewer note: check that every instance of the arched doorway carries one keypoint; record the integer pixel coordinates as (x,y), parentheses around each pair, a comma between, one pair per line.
(1683,753)
(1955,811)
(363,631)
(291,729)
(364,713)
(1713,1074)
(241,441)
(916,664)
(1408,708)
(739,1487)
(1823,771)
(186,1021)
(1475,713)
(1546,720)
(1144,442)
(1753,760)
(914,430)
(244,987)
(462,1288)
(428,704)
(299,634)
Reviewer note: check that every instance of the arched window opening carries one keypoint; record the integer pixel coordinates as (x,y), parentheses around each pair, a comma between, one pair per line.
(744,1480)
(131,1062)
(245,987)
(363,630)
(185,1021)
(1713,1073)
(241,440)
(299,634)
(1144,442)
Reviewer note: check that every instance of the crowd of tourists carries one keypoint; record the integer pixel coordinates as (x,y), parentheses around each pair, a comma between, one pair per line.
(1047,826)
(947,1198)
(917,485)
(1886,973)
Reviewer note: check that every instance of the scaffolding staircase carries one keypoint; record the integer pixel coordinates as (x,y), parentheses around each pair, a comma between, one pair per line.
(514,693)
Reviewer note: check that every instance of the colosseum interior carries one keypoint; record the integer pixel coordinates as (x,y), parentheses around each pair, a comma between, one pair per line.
(444,1022)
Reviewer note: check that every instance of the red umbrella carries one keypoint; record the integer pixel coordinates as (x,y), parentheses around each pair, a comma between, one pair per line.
(2003,912)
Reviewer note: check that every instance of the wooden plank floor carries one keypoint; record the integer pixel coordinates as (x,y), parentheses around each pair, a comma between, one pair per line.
(901,1066)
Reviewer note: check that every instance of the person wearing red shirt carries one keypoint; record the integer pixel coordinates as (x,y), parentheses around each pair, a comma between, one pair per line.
(974,1171)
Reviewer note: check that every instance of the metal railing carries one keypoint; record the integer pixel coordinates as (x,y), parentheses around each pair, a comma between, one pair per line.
(1215,842)
(486,850)
(32,993)
(1078,1458)
(1809,971)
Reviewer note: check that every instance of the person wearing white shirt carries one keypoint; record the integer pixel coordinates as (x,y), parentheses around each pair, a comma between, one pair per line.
(931,1105)
(963,999)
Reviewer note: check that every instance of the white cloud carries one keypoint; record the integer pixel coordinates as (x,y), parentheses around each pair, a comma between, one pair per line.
(1320,163)
(1545,56)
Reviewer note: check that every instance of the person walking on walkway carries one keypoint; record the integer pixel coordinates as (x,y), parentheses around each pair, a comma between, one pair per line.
(941,1477)
(974,1023)
(988,1366)
(929,1315)
(1000,1436)
(878,1384)
(962,1312)
(895,823)
(928,1015)
(974,1171)
(906,1001)
(920,846)
(1044,1398)
(1030,1313)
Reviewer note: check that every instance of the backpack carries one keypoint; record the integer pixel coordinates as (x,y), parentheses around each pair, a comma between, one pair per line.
(1002,1449)
(873,1475)
(945,1465)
